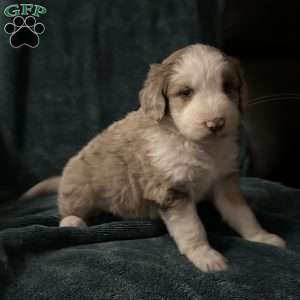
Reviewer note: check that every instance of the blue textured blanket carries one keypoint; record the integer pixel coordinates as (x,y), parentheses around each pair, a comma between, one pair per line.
(136,259)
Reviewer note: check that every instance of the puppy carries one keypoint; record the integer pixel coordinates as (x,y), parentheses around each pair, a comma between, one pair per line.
(160,160)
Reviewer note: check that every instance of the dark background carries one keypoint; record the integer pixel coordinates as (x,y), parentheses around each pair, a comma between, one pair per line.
(93,58)
(265,36)
(85,74)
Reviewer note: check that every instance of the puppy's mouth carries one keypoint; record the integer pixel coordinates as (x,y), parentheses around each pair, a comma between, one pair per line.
(213,136)
(220,134)
(208,136)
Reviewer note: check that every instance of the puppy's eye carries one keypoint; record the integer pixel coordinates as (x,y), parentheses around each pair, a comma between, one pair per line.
(230,87)
(186,93)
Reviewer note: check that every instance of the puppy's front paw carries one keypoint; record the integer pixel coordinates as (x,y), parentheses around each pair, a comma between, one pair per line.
(269,238)
(207,259)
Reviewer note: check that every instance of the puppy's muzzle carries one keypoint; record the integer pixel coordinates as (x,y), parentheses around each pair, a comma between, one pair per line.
(215,125)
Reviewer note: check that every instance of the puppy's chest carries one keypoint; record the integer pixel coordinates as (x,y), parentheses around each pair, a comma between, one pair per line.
(191,164)
(182,164)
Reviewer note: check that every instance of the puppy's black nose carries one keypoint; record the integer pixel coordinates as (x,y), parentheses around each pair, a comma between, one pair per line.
(215,125)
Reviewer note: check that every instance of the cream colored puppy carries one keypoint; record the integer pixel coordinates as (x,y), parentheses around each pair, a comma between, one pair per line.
(160,160)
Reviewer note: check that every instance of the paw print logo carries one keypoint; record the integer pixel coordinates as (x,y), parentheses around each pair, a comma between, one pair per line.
(24,31)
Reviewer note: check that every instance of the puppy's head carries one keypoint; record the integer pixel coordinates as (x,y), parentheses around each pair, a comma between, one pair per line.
(199,88)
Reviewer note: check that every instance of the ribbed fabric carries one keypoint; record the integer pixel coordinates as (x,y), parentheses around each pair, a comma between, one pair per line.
(136,259)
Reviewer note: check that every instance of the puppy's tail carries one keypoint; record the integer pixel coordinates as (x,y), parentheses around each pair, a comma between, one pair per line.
(45,187)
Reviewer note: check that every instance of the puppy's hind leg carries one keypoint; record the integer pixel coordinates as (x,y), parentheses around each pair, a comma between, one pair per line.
(75,205)
(72,221)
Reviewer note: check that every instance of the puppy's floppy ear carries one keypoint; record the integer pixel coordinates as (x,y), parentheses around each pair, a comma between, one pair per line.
(152,97)
(243,90)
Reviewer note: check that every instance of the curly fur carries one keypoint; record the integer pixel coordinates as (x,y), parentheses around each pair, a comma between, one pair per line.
(160,160)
